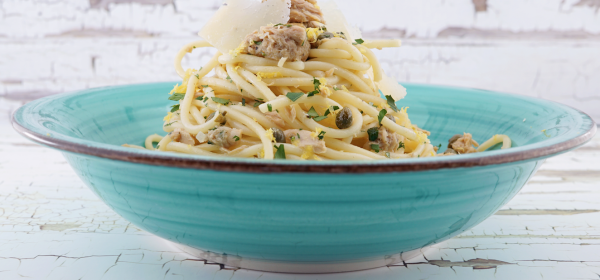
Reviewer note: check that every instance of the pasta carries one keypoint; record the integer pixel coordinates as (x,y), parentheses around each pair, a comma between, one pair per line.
(296,91)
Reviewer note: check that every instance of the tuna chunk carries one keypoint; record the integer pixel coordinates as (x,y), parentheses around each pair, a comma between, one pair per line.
(181,136)
(463,144)
(388,141)
(304,138)
(305,12)
(224,136)
(276,42)
(275,118)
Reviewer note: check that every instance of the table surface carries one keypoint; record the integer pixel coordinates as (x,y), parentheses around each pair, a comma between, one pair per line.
(53,227)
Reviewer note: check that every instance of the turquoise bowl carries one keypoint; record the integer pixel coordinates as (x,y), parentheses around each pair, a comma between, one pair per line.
(293,216)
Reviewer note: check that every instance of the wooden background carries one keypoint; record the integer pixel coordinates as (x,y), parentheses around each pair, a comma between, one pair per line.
(544,48)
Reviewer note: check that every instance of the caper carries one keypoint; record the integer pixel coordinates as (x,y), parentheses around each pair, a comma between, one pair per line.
(391,118)
(219,118)
(278,135)
(344,118)
(453,139)
(212,115)
(325,35)
(373,133)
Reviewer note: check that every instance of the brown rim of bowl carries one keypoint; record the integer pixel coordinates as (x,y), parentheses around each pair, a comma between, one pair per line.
(274,167)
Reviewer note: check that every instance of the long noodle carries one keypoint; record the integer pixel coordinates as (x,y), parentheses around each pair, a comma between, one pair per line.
(326,108)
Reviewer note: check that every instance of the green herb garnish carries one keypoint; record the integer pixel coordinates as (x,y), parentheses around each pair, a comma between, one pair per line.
(204,85)
(312,93)
(237,138)
(243,101)
(270,107)
(177,96)
(280,153)
(312,112)
(373,133)
(392,103)
(174,108)
(375,147)
(358,42)
(381,115)
(401,145)
(317,83)
(257,42)
(320,118)
(220,100)
(294,95)
(387,154)
(321,135)
(335,108)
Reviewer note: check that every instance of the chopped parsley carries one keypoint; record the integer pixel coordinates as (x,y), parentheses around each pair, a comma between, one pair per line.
(199,98)
(375,147)
(439,146)
(358,41)
(257,42)
(335,108)
(401,145)
(258,102)
(387,154)
(282,24)
(229,79)
(381,115)
(270,107)
(320,118)
(303,42)
(321,135)
(177,96)
(317,83)
(312,112)
(243,101)
(280,153)
(392,103)
(204,85)
(336,88)
(205,99)
(294,95)
(169,124)
(174,108)
(373,133)
(237,138)
(312,93)
(220,100)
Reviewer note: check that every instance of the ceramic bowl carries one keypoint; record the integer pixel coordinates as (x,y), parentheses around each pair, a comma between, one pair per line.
(293,216)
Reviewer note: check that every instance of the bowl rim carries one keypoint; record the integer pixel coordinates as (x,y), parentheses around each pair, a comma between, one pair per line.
(107,151)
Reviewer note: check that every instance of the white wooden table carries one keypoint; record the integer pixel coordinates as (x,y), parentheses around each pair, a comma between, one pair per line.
(53,227)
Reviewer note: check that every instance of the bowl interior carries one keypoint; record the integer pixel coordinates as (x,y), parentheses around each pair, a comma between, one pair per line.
(111,116)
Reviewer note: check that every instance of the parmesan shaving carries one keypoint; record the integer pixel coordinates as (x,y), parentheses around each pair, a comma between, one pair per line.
(336,21)
(389,86)
(238,18)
